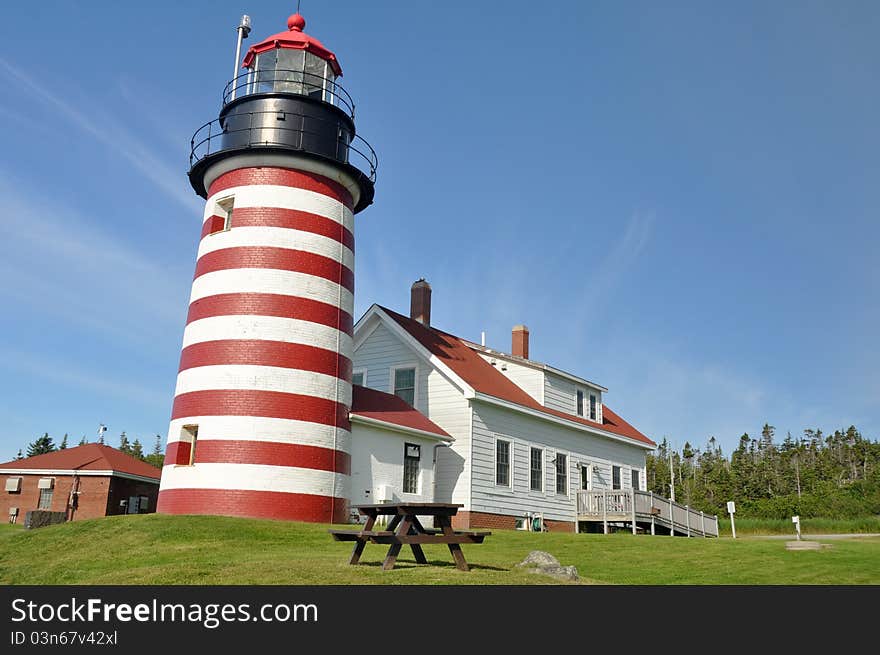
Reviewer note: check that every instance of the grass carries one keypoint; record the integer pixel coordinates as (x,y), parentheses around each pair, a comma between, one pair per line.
(159,549)
(870,524)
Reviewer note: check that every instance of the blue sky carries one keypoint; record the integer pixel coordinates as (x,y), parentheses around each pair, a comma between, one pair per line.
(680,201)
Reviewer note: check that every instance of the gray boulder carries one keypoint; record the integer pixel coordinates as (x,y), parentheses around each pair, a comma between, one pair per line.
(540,559)
(544,563)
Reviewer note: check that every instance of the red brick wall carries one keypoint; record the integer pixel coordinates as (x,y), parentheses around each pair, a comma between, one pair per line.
(93,496)
(502,522)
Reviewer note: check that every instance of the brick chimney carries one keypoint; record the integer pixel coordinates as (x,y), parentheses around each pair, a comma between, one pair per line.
(420,302)
(520,341)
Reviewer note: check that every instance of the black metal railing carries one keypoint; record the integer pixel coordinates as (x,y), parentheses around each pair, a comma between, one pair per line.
(289,81)
(252,130)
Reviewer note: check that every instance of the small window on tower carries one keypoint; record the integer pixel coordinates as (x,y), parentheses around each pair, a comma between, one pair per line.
(186,449)
(224,211)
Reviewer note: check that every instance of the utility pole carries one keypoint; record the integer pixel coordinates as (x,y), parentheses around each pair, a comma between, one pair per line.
(671,479)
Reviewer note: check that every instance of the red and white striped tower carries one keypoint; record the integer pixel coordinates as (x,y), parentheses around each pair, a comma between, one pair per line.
(260,424)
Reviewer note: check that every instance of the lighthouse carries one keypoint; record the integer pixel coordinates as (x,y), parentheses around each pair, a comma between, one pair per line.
(260,419)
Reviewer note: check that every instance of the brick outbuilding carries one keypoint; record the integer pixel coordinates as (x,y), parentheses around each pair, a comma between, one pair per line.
(85,482)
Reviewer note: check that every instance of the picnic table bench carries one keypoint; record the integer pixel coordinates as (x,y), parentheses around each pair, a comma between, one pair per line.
(405,529)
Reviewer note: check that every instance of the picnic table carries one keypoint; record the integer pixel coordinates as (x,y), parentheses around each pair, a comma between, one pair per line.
(405,529)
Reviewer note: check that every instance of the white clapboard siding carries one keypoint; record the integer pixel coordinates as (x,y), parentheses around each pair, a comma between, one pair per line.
(526,431)
(436,397)
(560,394)
(527,378)
(377,460)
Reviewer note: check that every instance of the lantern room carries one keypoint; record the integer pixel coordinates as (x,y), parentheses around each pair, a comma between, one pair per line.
(291,62)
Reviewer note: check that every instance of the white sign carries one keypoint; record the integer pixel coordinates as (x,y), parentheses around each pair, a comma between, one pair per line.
(795,519)
(731,507)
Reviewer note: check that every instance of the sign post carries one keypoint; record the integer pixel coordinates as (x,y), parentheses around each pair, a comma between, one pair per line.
(797,525)
(731,509)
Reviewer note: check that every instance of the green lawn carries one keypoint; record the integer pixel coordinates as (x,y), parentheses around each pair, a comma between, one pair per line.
(158,549)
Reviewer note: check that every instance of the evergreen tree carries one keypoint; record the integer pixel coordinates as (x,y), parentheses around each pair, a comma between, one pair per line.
(157,457)
(124,446)
(137,450)
(63,445)
(41,446)
(83,441)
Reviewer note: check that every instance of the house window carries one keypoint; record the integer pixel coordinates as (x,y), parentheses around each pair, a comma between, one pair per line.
(144,504)
(502,463)
(359,378)
(405,384)
(586,477)
(635,480)
(45,499)
(561,474)
(186,450)
(615,477)
(411,457)
(536,469)
(592,407)
(580,402)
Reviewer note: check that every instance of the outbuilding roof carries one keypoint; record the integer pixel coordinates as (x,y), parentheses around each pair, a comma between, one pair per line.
(89,457)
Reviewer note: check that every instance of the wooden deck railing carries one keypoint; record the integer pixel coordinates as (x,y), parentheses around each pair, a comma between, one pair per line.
(645,507)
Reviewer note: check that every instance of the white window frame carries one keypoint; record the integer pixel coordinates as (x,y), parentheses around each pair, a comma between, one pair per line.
(567,456)
(543,468)
(589,467)
(363,372)
(638,472)
(220,210)
(620,477)
(509,443)
(583,401)
(406,445)
(593,398)
(392,374)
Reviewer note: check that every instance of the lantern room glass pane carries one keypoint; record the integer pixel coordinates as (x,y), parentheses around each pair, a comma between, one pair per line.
(288,69)
(265,66)
(314,77)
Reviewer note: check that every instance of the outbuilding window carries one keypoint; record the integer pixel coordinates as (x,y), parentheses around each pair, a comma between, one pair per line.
(45,499)
(615,477)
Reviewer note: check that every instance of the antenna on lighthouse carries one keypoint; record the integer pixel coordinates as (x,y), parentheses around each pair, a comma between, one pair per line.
(243,29)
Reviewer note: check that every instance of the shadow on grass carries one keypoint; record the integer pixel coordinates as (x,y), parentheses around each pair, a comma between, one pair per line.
(412,564)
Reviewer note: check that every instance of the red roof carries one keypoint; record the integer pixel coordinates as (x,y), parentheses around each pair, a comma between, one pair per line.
(487,379)
(386,407)
(295,39)
(90,457)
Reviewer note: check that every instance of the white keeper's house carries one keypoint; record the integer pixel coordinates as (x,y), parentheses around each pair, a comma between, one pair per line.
(512,437)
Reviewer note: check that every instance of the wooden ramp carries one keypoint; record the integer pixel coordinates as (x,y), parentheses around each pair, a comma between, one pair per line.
(644,511)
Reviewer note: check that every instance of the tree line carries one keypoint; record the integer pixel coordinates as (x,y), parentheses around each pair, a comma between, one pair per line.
(834,476)
(45,444)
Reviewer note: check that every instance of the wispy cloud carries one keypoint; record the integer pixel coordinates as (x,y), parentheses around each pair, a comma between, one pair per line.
(64,374)
(56,262)
(115,136)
